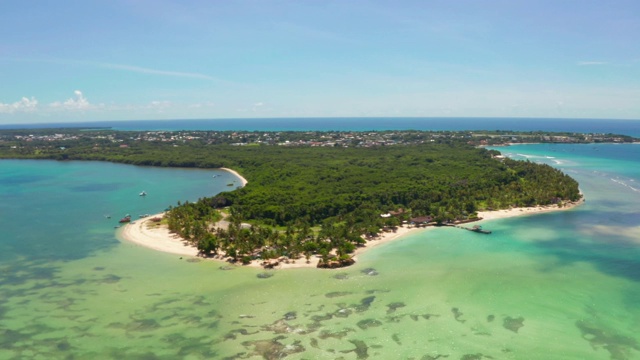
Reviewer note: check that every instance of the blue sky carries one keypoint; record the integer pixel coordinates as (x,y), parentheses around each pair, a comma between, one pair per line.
(65,61)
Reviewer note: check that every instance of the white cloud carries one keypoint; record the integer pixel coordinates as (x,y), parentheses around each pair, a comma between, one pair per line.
(591,63)
(159,106)
(142,70)
(77,103)
(23,105)
(207,104)
(157,103)
(259,107)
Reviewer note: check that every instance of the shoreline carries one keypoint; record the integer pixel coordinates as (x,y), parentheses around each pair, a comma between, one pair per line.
(243,181)
(152,235)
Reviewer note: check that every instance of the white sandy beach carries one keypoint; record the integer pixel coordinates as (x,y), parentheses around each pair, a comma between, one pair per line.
(243,181)
(501,214)
(156,236)
(147,233)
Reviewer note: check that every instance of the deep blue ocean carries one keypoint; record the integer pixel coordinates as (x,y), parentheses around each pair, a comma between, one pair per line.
(625,127)
(558,285)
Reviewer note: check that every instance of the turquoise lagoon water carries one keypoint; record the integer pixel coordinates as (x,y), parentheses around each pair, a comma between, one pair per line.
(562,285)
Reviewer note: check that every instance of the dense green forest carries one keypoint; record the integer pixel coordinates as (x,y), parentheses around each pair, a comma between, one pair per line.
(307,200)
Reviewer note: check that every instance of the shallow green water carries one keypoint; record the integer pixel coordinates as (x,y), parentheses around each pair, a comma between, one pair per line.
(552,286)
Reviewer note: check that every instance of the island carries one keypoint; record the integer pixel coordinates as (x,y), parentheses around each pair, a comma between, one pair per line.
(318,198)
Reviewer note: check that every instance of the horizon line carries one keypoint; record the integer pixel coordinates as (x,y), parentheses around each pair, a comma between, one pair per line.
(321,117)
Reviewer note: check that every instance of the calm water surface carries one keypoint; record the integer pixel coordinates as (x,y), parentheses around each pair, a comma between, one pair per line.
(562,285)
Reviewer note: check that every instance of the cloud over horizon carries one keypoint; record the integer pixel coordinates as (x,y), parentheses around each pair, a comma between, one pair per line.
(592,63)
(143,70)
(23,105)
(297,59)
(73,104)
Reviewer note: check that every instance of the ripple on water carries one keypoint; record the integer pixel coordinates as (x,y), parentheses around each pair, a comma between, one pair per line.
(394,306)
(341,276)
(369,323)
(274,348)
(513,324)
(369,271)
(337,294)
(361,349)
(365,303)
(620,347)
(457,314)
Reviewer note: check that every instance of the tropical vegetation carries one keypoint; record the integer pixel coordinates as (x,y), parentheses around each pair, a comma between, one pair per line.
(325,201)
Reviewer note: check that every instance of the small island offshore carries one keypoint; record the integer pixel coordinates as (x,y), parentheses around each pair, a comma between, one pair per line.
(319,198)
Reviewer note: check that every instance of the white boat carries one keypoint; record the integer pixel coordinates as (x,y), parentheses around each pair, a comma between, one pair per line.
(144,193)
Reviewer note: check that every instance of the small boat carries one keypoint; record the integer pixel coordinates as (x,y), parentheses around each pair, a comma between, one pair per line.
(143,193)
(125,219)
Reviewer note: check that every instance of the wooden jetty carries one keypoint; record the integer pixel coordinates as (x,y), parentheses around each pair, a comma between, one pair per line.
(475,228)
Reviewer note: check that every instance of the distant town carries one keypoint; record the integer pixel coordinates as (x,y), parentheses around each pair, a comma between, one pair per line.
(108,137)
